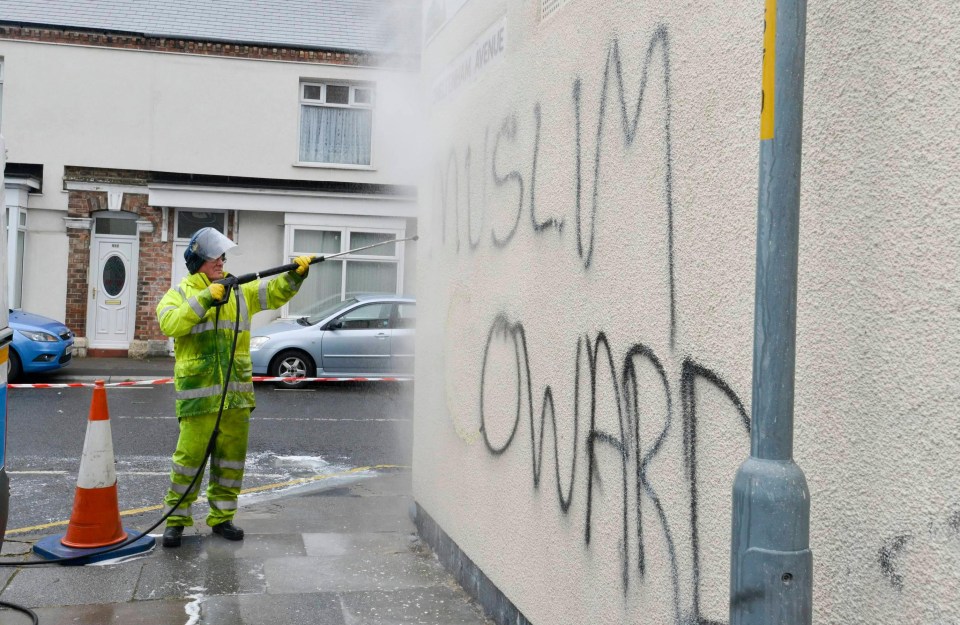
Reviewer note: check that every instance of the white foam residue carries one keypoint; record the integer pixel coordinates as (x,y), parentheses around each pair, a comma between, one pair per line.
(193,608)
(313,463)
(292,467)
(123,559)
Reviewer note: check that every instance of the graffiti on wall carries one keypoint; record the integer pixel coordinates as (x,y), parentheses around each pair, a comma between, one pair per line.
(462,218)
(600,376)
(595,361)
(920,549)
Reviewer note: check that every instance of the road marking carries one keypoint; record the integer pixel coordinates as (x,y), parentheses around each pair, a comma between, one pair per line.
(322,419)
(245,491)
(255,418)
(36,472)
(161,473)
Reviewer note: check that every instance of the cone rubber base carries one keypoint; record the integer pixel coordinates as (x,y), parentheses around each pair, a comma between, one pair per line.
(51,548)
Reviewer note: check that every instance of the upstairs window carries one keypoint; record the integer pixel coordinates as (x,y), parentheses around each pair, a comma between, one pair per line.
(1,88)
(336,122)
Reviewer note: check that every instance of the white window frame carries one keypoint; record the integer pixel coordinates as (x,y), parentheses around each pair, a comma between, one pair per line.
(177,268)
(351,104)
(346,229)
(20,216)
(1,90)
(176,220)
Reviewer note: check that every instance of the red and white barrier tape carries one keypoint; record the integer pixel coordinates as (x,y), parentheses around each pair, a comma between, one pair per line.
(170,381)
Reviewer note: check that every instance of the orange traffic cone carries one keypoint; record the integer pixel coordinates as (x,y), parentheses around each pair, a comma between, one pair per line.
(95,521)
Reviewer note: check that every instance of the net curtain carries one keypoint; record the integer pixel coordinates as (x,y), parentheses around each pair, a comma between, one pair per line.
(335,135)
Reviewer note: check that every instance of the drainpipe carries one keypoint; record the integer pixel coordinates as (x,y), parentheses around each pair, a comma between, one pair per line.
(771,572)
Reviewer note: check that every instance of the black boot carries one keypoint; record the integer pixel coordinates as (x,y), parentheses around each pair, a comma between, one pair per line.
(228,530)
(172,535)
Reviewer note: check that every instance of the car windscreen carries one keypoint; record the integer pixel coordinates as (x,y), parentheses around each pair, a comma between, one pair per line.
(319,316)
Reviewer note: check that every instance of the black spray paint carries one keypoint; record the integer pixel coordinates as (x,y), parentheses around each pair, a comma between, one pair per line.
(516,175)
(595,358)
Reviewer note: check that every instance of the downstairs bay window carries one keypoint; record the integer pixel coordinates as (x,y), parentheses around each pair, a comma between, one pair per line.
(376,270)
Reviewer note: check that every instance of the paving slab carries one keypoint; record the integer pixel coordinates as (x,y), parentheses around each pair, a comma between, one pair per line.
(352,571)
(391,483)
(313,513)
(200,576)
(338,554)
(359,545)
(133,613)
(58,585)
(435,605)
(292,609)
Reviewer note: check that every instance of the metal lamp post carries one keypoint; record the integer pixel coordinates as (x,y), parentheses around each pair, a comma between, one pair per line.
(771,562)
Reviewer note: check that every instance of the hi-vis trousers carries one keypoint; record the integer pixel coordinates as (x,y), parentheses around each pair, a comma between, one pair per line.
(226,466)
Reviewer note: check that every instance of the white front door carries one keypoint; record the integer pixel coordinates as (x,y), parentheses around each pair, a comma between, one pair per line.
(178,273)
(113,278)
(179,266)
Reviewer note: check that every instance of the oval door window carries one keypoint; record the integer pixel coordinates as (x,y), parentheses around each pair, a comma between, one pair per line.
(114,275)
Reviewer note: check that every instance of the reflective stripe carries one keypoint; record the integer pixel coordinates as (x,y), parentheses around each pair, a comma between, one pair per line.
(182,488)
(222,481)
(182,470)
(196,393)
(223,505)
(166,310)
(224,324)
(182,294)
(201,327)
(197,307)
(215,390)
(178,511)
(240,387)
(292,283)
(242,311)
(262,293)
(96,464)
(228,464)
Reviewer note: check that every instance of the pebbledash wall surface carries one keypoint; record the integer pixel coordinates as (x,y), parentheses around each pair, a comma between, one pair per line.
(586,287)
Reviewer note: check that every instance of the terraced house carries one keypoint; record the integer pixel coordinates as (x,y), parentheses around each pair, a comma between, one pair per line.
(129,125)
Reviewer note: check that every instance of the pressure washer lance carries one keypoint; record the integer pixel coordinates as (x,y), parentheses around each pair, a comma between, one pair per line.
(231,282)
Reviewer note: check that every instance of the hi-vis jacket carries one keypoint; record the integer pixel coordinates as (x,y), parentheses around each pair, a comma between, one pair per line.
(202,352)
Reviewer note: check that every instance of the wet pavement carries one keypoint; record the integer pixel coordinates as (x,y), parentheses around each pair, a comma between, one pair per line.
(342,551)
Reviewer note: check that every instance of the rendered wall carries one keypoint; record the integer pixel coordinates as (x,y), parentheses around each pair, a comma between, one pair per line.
(46,274)
(586,298)
(131,109)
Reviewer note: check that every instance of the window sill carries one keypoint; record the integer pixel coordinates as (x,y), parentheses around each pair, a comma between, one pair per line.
(334,166)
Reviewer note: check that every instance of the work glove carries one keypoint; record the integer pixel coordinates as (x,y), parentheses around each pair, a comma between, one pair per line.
(303,263)
(216,291)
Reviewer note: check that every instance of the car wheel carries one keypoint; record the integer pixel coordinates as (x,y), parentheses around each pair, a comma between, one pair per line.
(292,364)
(13,366)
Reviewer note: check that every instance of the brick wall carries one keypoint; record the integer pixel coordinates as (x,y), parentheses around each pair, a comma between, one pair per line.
(131,41)
(154,271)
(79,204)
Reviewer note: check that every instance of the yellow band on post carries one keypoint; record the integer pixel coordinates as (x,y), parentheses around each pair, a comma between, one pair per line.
(769,65)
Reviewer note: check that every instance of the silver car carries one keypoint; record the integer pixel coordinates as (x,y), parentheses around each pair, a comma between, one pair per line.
(364,336)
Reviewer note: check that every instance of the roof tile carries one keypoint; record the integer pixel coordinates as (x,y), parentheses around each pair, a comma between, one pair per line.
(345,24)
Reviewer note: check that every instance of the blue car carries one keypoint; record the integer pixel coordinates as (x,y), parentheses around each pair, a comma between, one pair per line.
(39,344)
